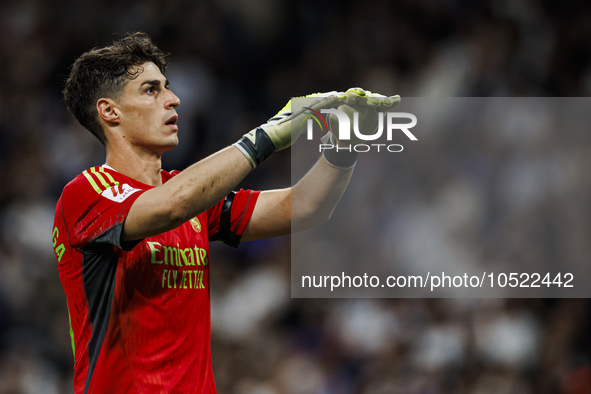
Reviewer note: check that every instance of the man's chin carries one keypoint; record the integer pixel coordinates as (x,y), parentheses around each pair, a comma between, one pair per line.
(171,144)
(168,144)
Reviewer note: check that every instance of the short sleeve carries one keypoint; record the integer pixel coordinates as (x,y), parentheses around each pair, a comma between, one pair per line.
(227,220)
(94,212)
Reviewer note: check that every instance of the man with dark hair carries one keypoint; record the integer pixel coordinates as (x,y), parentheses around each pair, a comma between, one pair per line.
(131,240)
(103,73)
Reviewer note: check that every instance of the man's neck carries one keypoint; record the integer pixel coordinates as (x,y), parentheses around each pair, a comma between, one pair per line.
(140,166)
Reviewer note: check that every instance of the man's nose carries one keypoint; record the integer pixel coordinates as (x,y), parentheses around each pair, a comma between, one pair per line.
(173,101)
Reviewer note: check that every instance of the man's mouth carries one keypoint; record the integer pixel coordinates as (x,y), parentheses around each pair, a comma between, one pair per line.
(172,122)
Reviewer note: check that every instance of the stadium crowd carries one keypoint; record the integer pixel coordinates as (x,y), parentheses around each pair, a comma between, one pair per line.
(234,64)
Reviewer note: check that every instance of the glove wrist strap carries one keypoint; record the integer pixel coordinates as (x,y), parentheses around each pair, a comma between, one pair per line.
(341,158)
(256,146)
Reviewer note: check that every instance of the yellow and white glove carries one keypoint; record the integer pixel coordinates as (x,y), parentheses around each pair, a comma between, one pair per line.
(363,105)
(283,129)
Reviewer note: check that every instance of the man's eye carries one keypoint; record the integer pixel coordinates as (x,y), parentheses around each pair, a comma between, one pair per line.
(150,90)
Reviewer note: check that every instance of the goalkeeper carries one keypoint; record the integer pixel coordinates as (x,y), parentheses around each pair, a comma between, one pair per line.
(131,240)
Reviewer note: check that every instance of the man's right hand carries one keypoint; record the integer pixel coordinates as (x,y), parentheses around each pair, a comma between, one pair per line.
(282,130)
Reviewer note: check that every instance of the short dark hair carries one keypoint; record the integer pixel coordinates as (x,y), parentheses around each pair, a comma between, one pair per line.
(103,72)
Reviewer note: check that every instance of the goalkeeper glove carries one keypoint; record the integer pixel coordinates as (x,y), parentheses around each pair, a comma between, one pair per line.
(282,130)
(365,106)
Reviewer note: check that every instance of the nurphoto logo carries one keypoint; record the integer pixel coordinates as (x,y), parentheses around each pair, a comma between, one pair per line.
(344,133)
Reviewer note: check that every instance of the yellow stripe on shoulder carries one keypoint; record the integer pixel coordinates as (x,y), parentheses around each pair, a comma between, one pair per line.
(100,177)
(109,176)
(92,182)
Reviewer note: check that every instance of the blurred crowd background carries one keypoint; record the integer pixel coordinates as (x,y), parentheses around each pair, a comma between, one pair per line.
(234,64)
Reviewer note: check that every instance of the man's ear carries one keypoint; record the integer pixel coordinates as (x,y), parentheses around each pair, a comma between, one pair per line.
(107,110)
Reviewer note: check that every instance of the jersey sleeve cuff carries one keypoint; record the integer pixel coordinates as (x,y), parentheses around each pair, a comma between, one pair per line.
(113,234)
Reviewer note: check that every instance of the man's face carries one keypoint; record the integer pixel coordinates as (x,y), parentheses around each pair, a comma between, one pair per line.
(147,111)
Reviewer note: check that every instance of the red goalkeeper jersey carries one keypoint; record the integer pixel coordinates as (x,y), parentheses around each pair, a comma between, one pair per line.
(139,311)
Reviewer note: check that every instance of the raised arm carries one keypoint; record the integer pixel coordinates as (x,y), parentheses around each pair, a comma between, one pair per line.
(183,197)
(317,194)
(205,183)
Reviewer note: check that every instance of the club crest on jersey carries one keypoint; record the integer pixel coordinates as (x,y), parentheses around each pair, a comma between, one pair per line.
(119,193)
(195,224)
